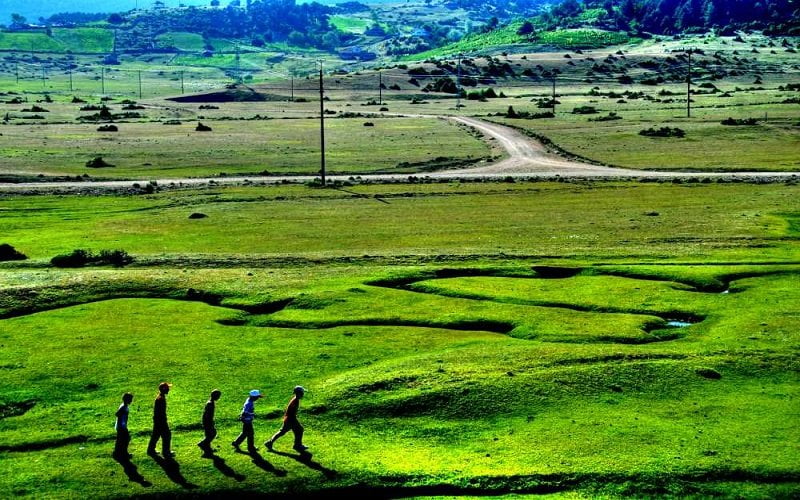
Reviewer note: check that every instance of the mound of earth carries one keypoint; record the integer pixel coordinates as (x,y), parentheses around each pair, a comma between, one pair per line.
(232,94)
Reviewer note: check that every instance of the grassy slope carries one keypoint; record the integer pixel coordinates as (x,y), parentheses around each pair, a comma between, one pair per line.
(507,36)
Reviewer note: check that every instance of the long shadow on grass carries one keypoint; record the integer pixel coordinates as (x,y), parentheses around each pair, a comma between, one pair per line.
(224,468)
(173,471)
(132,472)
(262,463)
(306,459)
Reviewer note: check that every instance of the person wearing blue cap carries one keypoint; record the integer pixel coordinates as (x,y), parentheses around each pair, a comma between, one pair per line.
(290,422)
(247,416)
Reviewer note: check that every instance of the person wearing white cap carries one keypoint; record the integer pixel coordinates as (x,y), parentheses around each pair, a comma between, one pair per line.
(247,416)
(290,422)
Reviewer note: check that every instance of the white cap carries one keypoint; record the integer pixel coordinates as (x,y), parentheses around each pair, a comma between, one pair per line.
(255,393)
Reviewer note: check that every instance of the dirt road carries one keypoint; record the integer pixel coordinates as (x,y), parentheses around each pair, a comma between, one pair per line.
(526,157)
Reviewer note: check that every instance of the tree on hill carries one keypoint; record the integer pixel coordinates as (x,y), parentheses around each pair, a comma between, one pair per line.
(526,29)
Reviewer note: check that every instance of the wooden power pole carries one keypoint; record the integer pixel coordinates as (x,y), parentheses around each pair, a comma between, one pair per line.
(321,125)
(689,86)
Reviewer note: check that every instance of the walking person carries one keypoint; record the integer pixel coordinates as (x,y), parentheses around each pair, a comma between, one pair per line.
(247,416)
(290,422)
(208,422)
(121,426)
(160,425)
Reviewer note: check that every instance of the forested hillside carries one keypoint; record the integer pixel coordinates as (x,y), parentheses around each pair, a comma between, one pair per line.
(674,16)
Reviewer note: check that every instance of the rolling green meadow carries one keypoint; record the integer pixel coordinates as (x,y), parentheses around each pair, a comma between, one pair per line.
(469,337)
(578,339)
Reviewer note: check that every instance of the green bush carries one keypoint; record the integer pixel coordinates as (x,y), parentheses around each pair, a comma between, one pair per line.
(7,252)
(584,110)
(663,132)
(739,121)
(80,258)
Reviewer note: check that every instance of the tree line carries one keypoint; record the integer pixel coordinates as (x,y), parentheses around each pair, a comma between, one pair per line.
(676,16)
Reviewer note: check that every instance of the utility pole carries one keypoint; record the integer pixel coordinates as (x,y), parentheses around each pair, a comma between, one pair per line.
(322,125)
(69,70)
(458,84)
(553,99)
(16,70)
(238,66)
(292,86)
(689,86)
(44,77)
(182,87)
(140,84)
(380,87)
(103,80)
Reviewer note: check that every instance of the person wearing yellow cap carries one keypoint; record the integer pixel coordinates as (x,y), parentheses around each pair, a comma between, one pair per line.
(290,422)
(247,416)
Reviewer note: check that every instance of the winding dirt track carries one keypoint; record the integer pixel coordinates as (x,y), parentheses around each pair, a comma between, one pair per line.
(526,157)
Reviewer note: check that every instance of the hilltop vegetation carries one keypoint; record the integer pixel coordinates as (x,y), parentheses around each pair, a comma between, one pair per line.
(675,16)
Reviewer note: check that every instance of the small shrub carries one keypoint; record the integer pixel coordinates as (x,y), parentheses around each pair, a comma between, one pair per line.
(202,128)
(116,258)
(611,116)
(98,162)
(7,253)
(584,110)
(663,132)
(198,215)
(81,258)
(739,121)
(709,373)
(35,109)
(78,258)
(369,124)
(107,128)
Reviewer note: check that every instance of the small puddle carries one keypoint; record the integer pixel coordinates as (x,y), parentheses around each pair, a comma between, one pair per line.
(678,324)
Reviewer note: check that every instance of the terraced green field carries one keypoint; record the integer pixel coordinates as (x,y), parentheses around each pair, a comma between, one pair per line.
(594,339)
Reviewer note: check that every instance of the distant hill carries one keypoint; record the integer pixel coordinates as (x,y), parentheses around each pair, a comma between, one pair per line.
(34,9)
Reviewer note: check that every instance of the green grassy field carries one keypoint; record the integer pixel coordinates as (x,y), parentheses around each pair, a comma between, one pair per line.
(349,24)
(157,150)
(93,40)
(438,360)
